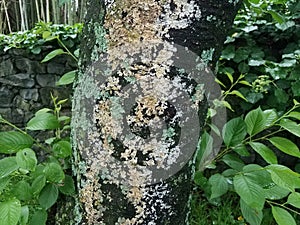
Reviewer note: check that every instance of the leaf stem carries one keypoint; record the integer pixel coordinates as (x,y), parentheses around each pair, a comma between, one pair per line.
(283,206)
(65,47)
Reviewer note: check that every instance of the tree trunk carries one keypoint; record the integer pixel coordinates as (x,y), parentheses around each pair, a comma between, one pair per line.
(139,105)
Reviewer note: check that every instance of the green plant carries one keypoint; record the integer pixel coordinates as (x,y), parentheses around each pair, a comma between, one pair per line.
(68,77)
(264,46)
(63,36)
(33,173)
(259,186)
(225,212)
(33,40)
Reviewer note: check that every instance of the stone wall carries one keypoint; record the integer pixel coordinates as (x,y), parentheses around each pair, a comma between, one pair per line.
(26,83)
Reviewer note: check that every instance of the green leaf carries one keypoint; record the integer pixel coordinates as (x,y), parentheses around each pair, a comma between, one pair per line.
(284,177)
(230,77)
(22,190)
(76,52)
(241,150)
(68,187)
(229,173)
(295,115)
(243,68)
(256,62)
(26,159)
(281,96)
(52,54)
(241,54)
(257,174)
(282,216)
(51,38)
(254,1)
(286,25)
(296,88)
(270,116)
(61,102)
(294,199)
(234,132)
(267,154)
(275,192)
(291,126)
(14,141)
(251,193)
(228,52)
(24,215)
(285,145)
(205,150)
(48,196)
(276,16)
(36,50)
(4,182)
(54,173)
(288,63)
(43,111)
(219,185)
(200,179)
(255,121)
(43,121)
(7,166)
(10,212)
(250,28)
(38,184)
(62,149)
(39,217)
(67,78)
(252,216)
(244,82)
(219,82)
(239,94)
(233,162)
(46,34)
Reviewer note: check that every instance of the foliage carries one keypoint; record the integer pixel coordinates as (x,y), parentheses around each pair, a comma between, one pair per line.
(33,174)
(64,36)
(68,77)
(259,64)
(264,46)
(223,213)
(36,38)
(260,132)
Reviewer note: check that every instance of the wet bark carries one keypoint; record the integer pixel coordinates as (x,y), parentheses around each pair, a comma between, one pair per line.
(130,169)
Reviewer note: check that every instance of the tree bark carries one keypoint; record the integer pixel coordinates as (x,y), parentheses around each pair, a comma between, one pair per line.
(139,106)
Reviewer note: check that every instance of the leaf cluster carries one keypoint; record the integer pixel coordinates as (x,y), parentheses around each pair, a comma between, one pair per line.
(34,40)
(30,186)
(264,46)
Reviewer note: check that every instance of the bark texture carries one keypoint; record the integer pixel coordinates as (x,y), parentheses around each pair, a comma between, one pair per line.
(126,174)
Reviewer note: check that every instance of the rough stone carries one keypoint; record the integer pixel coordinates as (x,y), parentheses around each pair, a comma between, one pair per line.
(6,68)
(25,84)
(29,66)
(19,80)
(18,51)
(5,113)
(46,80)
(20,103)
(6,97)
(29,94)
(27,116)
(18,117)
(55,68)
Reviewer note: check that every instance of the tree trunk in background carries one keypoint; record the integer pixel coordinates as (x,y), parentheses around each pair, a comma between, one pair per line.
(139,105)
